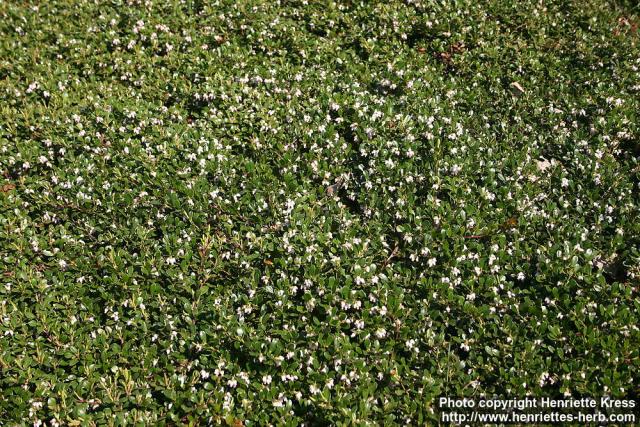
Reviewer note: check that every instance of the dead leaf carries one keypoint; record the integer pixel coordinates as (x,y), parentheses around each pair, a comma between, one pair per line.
(458,47)
(333,189)
(445,57)
(511,223)
(517,88)
(7,187)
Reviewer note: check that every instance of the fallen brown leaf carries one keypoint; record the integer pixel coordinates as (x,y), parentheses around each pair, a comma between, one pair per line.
(517,88)
(7,187)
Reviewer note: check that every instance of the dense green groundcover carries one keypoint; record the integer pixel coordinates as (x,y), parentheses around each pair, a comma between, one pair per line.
(252,212)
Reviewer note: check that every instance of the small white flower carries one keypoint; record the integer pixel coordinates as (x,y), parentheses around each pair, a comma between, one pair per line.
(543,164)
